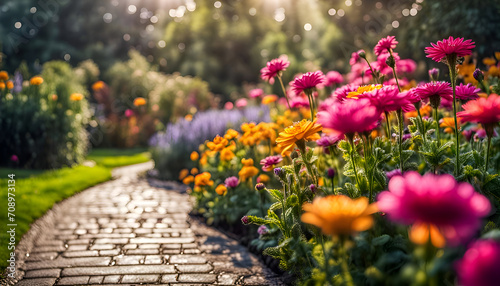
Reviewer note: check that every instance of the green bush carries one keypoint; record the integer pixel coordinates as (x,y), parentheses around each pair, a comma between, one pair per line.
(41,125)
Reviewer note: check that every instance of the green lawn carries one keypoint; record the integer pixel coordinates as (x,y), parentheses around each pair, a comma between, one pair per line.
(113,158)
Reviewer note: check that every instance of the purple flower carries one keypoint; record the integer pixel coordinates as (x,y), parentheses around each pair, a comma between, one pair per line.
(434,74)
(478,75)
(14,158)
(260,186)
(313,188)
(232,182)
(269,162)
(330,173)
(395,172)
(327,140)
(278,172)
(263,230)
(479,266)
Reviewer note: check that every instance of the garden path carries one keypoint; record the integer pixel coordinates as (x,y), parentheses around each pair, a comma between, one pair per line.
(129,232)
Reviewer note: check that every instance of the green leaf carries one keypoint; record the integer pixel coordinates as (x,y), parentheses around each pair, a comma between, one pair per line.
(381,240)
(292,201)
(275,206)
(276,194)
(273,252)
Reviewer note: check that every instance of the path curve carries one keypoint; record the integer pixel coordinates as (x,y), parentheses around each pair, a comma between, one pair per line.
(127,232)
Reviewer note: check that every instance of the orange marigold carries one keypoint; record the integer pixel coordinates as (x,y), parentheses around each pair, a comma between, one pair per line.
(194,156)
(194,171)
(339,215)
(203,179)
(10,84)
(226,154)
(2,85)
(36,80)
(298,133)
(269,99)
(188,180)
(98,85)
(231,134)
(449,124)
(4,75)
(248,170)
(218,143)
(221,190)
(183,173)
(139,101)
(76,96)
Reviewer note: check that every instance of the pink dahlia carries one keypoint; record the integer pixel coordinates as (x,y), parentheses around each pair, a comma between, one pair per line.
(436,206)
(385,44)
(434,91)
(349,117)
(480,264)
(307,81)
(333,77)
(231,182)
(269,163)
(406,66)
(274,68)
(466,92)
(388,98)
(255,93)
(342,92)
(458,47)
(483,110)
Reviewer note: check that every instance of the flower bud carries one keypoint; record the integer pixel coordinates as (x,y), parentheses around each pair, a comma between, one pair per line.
(330,173)
(294,154)
(478,75)
(362,54)
(260,186)
(278,172)
(263,230)
(434,74)
(313,188)
(245,220)
(390,61)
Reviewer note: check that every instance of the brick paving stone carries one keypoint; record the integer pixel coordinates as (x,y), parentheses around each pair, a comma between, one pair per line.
(130,231)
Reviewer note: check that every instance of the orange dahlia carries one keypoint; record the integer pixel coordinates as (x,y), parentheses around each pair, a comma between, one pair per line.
(299,132)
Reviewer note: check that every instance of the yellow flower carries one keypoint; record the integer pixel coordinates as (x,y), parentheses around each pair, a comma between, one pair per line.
(194,171)
(425,110)
(221,190)
(304,130)
(203,179)
(263,178)
(188,180)
(339,215)
(98,85)
(493,71)
(489,61)
(36,80)
(4,75)
(183,173)
(226,154)
(231,134)
(194,156)
(10,84)
(76,96)
(269,99)
(2,85)
(449,124)
(139,101)
(217,144)
(363,89)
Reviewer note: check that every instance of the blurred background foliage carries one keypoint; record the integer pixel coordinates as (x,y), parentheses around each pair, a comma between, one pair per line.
(226,42)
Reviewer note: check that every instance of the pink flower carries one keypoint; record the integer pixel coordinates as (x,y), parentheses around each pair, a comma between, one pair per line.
(483,110)
(480,264)
(274,68)
(342,92)
(437,52)
(437,206)
(129,113)
(349,117)
(229,105)
(231,182)
(393,173)
(406,66)
(269,163)
(388,98)
(14,158)
(466,92)
(307,81)
(240,103)
(434,91)
(385,44)
(299,101)
(255,93)
(333,77)
(327,140)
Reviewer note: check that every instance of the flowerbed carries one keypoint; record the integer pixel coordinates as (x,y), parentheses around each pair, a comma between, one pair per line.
(389,193)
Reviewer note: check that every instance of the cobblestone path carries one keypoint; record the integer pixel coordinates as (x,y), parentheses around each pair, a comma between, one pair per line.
(128,232)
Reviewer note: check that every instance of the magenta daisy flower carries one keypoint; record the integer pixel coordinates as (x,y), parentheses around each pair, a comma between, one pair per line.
(255,93)
(434,91)
(349,117)
(269,163)
(440,50)
(327,140)
(435,206)
(299,101)
(342,92)
(333,77)
(274,68)
(385,44)
(479,266)
(307,81)
(388,98)
(466,92)
(231,182)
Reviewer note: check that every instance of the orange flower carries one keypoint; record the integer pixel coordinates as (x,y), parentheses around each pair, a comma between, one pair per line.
(10,84)
(188,117)
(493,71)
(2,85)
(183,173)
(203,179)
(194,171)
(231,134)
(339,215)
(226,154)
(221,190)
(269,99)
(449,124)
(54,97)
(263,178)
(98,85)
(36,80)
(248,170)
(139,101)
(4,75)
(188,180)
(425,110)
(204,159)
(300,132)
(420,232)
(194,156)
(247,162)
(217,144)
(489,61)
(497,55)
(76,96)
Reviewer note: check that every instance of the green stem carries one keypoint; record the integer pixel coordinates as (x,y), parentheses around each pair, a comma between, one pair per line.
(422,131)
(347,279)
(353,162)
(437,126)
(401,128)
(368,172)
(373,72)
(311,104)
(284,90)
(487,154)
(387,125)
(453,78)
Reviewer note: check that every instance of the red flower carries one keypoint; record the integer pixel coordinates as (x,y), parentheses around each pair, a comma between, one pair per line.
(385,44)
(449,46)
(273,68)
(482,110)
(307,81)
